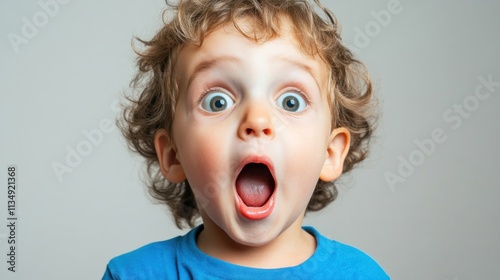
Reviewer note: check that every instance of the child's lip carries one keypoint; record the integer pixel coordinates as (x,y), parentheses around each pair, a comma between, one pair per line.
(256,213)
(261,212)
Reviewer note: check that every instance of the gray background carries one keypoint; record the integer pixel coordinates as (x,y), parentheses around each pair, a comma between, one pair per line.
(441,222)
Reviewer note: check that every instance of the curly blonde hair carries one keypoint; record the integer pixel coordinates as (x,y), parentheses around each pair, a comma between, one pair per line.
(153,107)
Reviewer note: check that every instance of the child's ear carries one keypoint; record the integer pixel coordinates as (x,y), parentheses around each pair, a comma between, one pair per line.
(336,153)
(166,152)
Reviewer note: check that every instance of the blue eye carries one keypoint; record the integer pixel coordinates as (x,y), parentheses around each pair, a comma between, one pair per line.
(292,102)
(216,102)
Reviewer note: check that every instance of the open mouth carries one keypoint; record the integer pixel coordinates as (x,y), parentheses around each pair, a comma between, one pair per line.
(255,184)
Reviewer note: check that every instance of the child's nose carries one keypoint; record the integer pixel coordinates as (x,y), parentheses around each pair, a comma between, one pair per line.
(256,122)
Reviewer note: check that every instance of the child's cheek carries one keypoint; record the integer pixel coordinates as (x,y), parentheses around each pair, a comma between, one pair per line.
(204,156)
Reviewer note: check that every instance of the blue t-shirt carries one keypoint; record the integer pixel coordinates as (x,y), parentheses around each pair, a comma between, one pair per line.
(180,258)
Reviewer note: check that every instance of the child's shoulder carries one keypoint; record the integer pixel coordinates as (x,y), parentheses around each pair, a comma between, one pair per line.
(342,259)
(146,262)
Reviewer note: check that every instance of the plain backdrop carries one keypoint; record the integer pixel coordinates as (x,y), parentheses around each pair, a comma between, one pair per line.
(424,205)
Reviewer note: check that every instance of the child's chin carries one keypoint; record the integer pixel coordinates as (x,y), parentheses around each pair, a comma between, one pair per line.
(255,235)
(254,241)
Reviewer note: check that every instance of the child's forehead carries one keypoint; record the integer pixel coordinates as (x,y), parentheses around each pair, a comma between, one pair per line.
(228,43)
(256,33)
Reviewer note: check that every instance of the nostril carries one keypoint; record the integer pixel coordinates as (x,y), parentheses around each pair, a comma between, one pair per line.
(265,131)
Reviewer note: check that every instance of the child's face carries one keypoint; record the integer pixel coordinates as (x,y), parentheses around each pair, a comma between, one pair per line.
(242,102)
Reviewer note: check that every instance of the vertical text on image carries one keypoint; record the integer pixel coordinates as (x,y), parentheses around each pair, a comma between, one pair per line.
(12,191)
(453,116)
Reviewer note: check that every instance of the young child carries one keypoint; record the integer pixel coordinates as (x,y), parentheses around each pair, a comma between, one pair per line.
(248,112)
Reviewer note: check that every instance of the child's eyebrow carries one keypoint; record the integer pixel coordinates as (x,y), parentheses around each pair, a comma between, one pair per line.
(208,64)
(302,66)
(297,64)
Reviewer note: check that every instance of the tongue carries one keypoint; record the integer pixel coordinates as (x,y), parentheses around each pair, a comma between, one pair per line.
(255,184)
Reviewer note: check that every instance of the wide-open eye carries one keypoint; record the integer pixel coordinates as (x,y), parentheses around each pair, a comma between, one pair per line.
(291,101)
(216,102)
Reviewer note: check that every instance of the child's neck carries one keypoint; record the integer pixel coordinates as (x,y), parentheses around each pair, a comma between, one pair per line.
(291,248)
